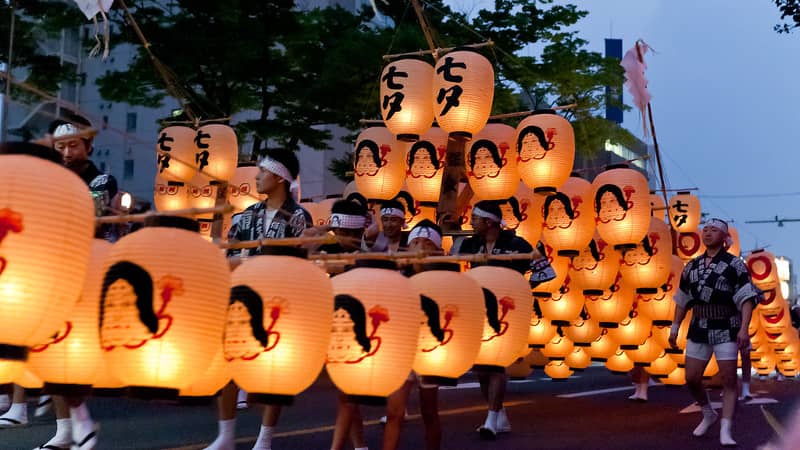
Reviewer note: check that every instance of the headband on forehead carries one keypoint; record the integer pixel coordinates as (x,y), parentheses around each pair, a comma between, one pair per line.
(717,223)
(393,212)
(347,221)
(485,214)
(427,233)
(274,166)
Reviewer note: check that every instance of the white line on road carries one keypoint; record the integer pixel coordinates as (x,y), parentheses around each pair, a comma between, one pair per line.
(595,392)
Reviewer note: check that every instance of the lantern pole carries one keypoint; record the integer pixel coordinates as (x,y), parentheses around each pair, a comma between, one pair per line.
(426,28)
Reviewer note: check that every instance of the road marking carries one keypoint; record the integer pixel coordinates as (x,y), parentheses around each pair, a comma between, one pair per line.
(596,392)
(694,407)
(304,431)
(761,401)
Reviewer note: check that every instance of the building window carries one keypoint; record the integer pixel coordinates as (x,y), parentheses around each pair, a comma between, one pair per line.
(103,166)
(127,171)
(131,124)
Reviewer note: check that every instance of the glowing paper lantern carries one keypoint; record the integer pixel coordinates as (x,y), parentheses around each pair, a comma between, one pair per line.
(450,335)
(10,370)
(491,166)
(519,370)
(789,368)
(558,347)
(176,154)
(621,205)
(602,348)
(324,211)
(684,212)
(611,306)
(406,106)
(212,380)
(568,219)
(508,313)
(69,360)
(463,90)
(216,151)
(660,307)
(545,148)
(595,268)
(583,332)
(242,188)
(563,306)
(777,323)
(662,366)
(736,248)
(203,193)
(763,365)
(170,195)
(762,268)
(425,161)
(578,359)
(29,381)
(162,306)
(277,332)
(376,323)
(540,332)
(689,245)
(675,378)
(522,213)
(647,265)
(379,164)
(40,276)
(645,353)
(558,370)
(560,265)
(771,303)
(632,331)
(537,359)
(619,363)
(657,205)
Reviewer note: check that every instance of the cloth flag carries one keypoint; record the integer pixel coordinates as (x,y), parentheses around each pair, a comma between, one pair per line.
(635,80)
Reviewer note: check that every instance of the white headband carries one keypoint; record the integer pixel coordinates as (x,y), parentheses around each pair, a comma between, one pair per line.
(394,212)
(426,233)
(485,214)
(347,221)
(66,129)
(277,168)
(717,223)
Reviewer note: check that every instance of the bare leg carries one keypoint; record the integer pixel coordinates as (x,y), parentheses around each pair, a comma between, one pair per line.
(746,375)
(226,402)
(728,371)
(356,431)
(61,407)
(344,417)
(497,391)
(395,413)
(271,415)
(429,404)
(694,380)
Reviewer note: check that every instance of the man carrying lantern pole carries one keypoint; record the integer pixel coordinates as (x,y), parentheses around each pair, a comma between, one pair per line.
(280,216)
(717,287)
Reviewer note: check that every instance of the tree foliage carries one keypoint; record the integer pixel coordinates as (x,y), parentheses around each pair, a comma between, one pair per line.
(790,14)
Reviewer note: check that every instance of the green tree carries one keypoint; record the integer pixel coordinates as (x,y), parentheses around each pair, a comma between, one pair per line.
(790,14)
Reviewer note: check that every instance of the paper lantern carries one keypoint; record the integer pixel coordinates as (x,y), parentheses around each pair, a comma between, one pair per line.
(712,368)
(645,353)
(522,213)
(583,332)
(540,332)
(216,151)
(777,323)
(657,205)
(451,332)
(242,188)
(563,306)
(647,265)
(736,248)
(508,312)
(621,205)
(602,348)
(69,360)
(595,268)
(203,192)
(772,302)
(579,359)
(519,370)
(662,366)
(324,211)
(675,378)
(176,154)
(558,370)
(684,212)
(689,245)
(545,148)
(376,324)
(463,90)
(29,381)
(162,306)
(491,166)
(789,368)
(212,380)
(537,359)
(762,268)
(425,161)
(406,106)
(379,164)
(560,265)
(10,370)
(611,306)
(619,363)
(763,365)
(568,219)
(278,330)
(170,195)
(558,347)
(660,307)
(632,331)
(106,384)
(677,354)
(41,275)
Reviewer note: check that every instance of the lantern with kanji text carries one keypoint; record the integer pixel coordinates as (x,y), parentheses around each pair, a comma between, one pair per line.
(463,90)
(405,97)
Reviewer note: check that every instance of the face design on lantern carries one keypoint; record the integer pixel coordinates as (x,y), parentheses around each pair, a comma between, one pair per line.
(121,324)
(423,160)
(369,158)
(532,143)
(511,215)
(588,258)
(240,341)
(349,342)
(610,204)
(486,159)
(640,254)
(496,311)
(558,211)
(433,333)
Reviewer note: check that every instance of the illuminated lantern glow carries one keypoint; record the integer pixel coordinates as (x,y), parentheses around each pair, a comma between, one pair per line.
(452,328)
(508,314)
(29,381)
(646,353)
(647,266)
(203,192)
(689,245)
(660,307)
(522,213)
(777,323)
(405,97)
(602,348)
(170,195)
(763,270)
(735,248)
(763,365)
(595,268)
(545,150)
(463,91)
(789,368)
(568,221)
(376,325)
(37,293)
(425,160)
(490,163)
(242,188)
(10,370)
(537,359)
(657,205)
(558,370)
(423,212)
(560,265)
(159,315)
(212,380)
(619,363)
(69,360)
(612,305)
(540,332)
(684,212)
(564,306)
(578,359)
(621,206)
(324,210)
(772,303)
(559,347)
(677,354)
(175,151)
(675,378)
(276,336)
(379,164)
(632,331)
(660,333)
(216,151)
(519,370)
(661,366)
(583,332)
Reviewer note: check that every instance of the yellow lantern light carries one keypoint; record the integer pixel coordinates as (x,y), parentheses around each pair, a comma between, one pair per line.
(660,333)
(10,370)
(380,166)
(567,217)
(540,332)
(170,195)
(425,162)
(451,332)
(463,90)
(646,353)
(560,265)
(595,268)
(242,188)
(212,380)
(106,384)
(523,214)
(602,348)
(689,245)
(632,331)
(491,166)
(771,303)
(30,382)
(324,210)
(619,363)
(37,293)
(376,323)
(675,378)
(583,331)
(621,206)
(578,360)
(277,331)
(647,266)
(789,368)
(216,151)
(762,268)
(763,365)
(758,337)
(158,314)
(545,148)
(660,307)
(558,370)
(736,248)
(612,306)
(176,152)
(657,205)
(684,212)
(662,366)
(69,360)
(508,314)
(776,323)
(536,359)
(203,192)
(564,306)
(519,370)
(406,106)
(558,347)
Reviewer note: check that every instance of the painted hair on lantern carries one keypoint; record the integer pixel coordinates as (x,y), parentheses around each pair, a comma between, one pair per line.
(417,166)
(515,209)
(404,197)
(561,197)
(255,307)
(610,209)
(492,316)
(431,310)
(524,152)
(484,170)
(142,285)
(369,158)
(358,315)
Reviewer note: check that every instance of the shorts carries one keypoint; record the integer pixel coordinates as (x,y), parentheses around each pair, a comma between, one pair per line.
(727,351)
